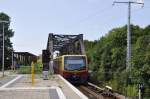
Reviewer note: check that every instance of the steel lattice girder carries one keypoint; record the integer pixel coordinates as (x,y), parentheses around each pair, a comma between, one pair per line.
(65,44)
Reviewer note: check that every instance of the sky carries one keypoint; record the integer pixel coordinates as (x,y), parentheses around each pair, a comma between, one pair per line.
(33,20)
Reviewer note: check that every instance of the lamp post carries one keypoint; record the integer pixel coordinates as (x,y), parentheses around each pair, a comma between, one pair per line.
(3,59)
(12,59)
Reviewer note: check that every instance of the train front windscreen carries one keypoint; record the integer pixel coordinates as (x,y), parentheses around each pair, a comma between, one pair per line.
(72,63)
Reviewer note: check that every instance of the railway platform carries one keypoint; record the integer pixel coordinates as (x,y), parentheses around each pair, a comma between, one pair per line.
(56,87)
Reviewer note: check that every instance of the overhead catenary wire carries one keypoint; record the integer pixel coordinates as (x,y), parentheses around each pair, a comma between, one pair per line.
(102,12)
(91,16)
(118,18)
(107,23)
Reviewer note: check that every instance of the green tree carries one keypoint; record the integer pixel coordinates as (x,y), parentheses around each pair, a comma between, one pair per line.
(8,44)
(108,59)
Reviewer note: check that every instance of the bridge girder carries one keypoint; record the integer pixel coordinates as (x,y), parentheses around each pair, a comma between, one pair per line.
(65,44)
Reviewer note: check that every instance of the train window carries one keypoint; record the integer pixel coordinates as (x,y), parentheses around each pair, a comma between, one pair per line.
(75,63)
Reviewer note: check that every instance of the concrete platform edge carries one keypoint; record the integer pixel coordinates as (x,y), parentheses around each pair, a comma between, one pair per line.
(81,95)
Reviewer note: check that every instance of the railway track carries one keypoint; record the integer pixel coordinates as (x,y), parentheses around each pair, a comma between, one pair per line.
(94,92)
(89,93)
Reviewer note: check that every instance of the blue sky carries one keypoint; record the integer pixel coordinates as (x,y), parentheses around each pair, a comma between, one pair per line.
(33,20)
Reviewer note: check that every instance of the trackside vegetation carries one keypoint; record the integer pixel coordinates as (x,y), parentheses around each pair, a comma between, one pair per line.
(107,60)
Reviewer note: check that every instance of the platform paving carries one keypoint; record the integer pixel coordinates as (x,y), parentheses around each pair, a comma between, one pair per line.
(53,88)
(6,79)
(29,94)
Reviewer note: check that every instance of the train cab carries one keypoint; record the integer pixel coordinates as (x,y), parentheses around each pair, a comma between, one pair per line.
(72,67)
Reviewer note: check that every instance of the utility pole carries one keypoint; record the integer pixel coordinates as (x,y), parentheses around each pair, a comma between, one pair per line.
(141,90)
(139,93)
(128,53)
(3,59)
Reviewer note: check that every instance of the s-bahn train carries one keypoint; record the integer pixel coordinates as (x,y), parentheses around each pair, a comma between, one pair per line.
(72,67)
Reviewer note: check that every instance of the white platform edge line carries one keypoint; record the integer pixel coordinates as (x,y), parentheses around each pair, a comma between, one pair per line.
(12,81)
(73,88)
(60,93)
(58,90)
(26,88)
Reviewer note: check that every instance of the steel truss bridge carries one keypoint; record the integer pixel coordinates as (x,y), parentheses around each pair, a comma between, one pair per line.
(65,44)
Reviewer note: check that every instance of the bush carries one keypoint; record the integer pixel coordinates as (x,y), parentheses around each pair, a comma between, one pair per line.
(38,68)
(24,70)
(27,69)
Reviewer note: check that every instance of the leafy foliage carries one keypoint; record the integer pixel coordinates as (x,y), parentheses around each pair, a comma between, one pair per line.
(108,59)
(27,69)
(8,45)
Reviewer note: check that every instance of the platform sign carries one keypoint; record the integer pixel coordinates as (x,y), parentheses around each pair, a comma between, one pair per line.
(141,87)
